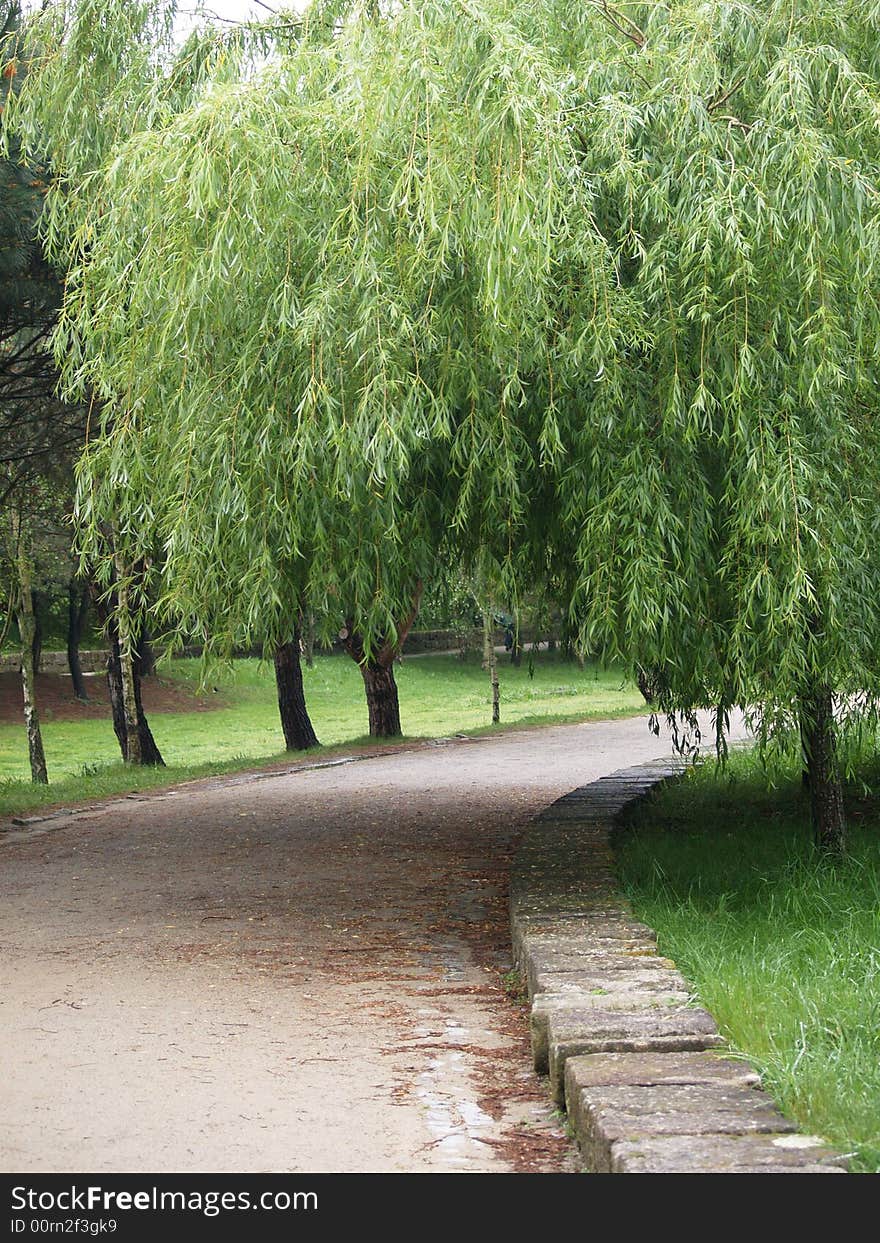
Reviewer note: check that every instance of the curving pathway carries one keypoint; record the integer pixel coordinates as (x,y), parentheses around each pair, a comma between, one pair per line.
(301,971)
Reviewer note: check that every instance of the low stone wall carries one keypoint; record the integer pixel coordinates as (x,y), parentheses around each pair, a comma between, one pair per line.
(416,641)
(56,662)
(639,1068)
(452,640)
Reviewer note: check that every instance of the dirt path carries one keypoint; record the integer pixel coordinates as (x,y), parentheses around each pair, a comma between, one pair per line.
(300,973)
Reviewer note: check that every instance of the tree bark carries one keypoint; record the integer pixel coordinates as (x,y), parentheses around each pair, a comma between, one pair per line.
(77,609)
(647,681)
(145,747)
(146,657)
(295,723)
(126,641)
(383,705)
(490,663)
(38,608)
(26,627)
(516,646)
(823,774)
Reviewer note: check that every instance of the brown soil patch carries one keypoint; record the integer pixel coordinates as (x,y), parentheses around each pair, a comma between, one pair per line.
(57,702)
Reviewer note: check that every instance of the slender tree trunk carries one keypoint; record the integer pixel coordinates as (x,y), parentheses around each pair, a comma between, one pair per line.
(490,663)
(151,756)
(26,626)
(146,748)
(805,750)
(114,687)
(77,609)
(38,609)
(823,774)
(516,646)
(567,641)
(127,648)
(298,732)
(146,657)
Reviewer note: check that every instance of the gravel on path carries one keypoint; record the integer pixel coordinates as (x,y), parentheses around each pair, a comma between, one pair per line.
(305,973)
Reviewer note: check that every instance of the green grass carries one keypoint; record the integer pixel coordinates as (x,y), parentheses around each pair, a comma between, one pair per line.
(438,695)
(782,947)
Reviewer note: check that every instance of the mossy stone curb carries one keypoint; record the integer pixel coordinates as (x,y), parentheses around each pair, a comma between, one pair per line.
(631,1058)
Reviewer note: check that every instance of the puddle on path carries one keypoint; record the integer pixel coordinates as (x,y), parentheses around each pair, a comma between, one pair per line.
(460,1127)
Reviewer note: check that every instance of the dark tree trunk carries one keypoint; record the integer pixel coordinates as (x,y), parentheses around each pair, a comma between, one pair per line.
(383,706)
(566,641)
(298,732)
(823,774)
(36,754)
(77,609)
(150,755)
(114,687)
(805,751)
(26,627)
(490,664)
(146,659)
(647,682)
(38,610)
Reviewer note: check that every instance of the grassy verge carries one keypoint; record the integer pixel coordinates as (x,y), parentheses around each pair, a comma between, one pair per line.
(782,948)
(438,695)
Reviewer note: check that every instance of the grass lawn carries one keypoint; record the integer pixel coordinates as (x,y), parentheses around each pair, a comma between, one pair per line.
(438,695)
(782,948)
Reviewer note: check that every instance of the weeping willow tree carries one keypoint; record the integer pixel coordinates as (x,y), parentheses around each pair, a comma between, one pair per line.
(725,518)
(294,331)
(598,286)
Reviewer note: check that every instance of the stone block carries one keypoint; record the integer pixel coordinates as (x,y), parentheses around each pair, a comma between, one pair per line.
(585,1029)
(607,1115)
(726,1154)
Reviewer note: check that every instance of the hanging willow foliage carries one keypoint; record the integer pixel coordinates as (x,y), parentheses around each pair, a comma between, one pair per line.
(595,285)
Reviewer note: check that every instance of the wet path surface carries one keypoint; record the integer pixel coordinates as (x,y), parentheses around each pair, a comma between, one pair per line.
(300,973)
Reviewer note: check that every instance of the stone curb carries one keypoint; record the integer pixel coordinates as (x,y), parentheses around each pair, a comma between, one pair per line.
(637,1066)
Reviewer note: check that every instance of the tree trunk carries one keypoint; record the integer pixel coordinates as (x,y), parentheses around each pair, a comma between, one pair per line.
(823,775)
(145,746)
(298,732)
(26,627)
(490,663)
(146,657)
(648,683)
(805,750)
(114,687)
(77,609)
(383,705)
(127,655)
(38,609)
(516,646)
(151,756)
